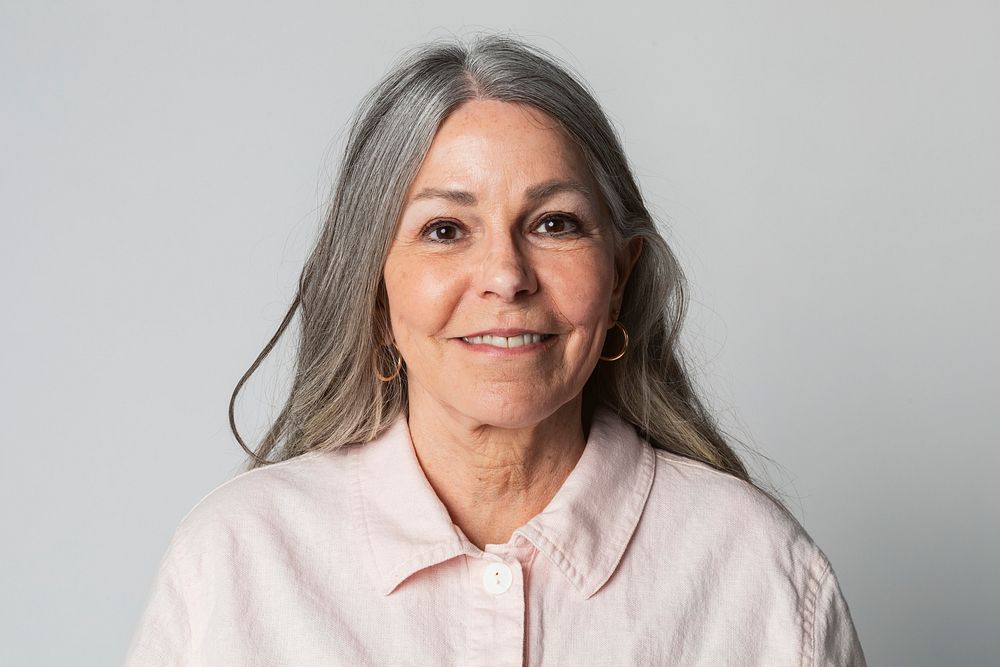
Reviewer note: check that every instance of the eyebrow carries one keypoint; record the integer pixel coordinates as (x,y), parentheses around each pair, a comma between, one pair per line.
(535,193)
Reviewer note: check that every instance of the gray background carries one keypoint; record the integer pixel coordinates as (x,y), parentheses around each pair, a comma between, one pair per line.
(827,173)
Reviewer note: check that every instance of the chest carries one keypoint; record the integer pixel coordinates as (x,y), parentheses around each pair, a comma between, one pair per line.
(472,611)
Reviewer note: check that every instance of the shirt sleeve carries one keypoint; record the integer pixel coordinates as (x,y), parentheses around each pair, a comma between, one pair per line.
(835,641)
(163,636)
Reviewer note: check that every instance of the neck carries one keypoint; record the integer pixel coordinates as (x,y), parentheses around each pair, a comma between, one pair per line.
(493,480)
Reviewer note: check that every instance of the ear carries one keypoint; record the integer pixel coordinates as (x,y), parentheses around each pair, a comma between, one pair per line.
(625,260)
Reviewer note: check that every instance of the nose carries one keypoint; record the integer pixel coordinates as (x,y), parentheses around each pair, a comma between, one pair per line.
(506,272)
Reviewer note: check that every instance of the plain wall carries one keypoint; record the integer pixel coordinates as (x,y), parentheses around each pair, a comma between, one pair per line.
(827,173)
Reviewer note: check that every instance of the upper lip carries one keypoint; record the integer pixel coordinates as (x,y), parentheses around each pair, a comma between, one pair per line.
(506,333)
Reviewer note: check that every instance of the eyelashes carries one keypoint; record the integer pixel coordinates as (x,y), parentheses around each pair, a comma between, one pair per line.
(553,225)
(442,231)
(566,224)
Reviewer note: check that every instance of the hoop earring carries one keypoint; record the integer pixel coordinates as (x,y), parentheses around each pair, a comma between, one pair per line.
(624,347)
(395,372)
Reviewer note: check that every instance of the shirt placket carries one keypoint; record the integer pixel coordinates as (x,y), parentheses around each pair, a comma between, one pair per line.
(496,625)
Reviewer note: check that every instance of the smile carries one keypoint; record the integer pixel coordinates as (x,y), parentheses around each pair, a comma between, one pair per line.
(507,341)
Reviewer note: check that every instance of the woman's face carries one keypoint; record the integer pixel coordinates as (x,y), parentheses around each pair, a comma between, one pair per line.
(503,277)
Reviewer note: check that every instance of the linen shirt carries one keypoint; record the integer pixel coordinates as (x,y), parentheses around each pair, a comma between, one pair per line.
(642,557)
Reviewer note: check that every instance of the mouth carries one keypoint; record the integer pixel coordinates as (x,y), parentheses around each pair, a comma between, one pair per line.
(519,340)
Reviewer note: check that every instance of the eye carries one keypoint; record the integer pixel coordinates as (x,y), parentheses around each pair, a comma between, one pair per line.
(557,225)
(442,231)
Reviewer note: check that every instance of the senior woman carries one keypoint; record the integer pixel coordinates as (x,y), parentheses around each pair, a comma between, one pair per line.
(491,454)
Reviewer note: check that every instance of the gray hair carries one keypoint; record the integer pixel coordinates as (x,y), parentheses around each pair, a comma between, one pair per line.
(336,398)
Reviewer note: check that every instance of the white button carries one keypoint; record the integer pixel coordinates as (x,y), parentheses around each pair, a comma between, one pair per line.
(497,578)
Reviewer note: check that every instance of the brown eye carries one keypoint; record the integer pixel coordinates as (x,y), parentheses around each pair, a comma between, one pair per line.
(443,231)
(557,225)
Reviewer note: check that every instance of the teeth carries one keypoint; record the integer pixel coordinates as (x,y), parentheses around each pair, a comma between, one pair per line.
(501,341)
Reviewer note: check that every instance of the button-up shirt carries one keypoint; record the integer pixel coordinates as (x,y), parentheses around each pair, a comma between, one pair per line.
(642,557)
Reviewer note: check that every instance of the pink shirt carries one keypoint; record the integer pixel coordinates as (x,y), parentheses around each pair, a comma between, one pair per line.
(349,558)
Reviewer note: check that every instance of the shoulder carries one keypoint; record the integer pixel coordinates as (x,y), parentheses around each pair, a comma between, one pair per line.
(306,494)
(695,507)
(736,554)
(243,540)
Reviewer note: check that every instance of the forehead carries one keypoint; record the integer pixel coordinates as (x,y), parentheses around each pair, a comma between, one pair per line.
(487,143)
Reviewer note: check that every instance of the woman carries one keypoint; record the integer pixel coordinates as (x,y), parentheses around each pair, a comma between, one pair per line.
(491,453)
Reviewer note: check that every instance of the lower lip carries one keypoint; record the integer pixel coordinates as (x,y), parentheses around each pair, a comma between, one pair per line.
(494,351)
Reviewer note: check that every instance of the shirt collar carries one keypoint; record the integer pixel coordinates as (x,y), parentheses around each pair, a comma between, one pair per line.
(583,531)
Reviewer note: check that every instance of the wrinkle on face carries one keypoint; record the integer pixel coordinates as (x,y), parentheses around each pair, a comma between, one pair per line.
(495,151)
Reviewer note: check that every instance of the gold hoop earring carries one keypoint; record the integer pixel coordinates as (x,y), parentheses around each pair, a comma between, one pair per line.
(395,372)
(624,347)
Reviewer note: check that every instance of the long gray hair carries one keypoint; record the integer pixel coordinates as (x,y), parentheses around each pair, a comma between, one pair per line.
(336,398)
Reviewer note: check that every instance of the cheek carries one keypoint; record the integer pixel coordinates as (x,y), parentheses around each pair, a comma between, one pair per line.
(421,298)
(584,291)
